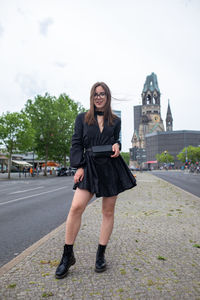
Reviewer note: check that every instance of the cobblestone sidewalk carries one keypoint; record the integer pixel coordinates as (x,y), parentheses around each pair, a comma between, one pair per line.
(154,251)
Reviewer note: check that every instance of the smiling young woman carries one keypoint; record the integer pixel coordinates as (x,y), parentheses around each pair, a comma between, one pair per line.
(105,176)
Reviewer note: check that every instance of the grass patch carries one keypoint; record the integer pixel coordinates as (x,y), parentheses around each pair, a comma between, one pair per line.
(95,293)
(52,263)
(47,294)
(45,274)
(44,262)
(150,282)
(11,285)
(196,245)
(123,272)
(121,290)
(161,258)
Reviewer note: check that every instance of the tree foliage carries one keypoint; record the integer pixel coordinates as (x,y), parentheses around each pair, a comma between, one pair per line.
(126,157)
(16,134)
(53,121)
(189,153)
(67,111)
(165,157)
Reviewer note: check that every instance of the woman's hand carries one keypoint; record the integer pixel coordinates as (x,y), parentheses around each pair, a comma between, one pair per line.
(115,148)
(79,175)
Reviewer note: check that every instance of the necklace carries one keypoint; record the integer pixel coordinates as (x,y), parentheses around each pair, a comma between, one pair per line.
(99,113)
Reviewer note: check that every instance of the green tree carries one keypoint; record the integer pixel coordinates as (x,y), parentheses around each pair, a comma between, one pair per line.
(197,154)
(126,157)
(43,116)
(16,133)
(53,121)
(165,157)
(189,153)
(67,111)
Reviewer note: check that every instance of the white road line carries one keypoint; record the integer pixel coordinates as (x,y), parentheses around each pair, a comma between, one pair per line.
(31,196)
(40,187)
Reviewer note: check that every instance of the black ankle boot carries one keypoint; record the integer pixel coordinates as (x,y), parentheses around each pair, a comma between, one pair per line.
(100,265)
(66,262)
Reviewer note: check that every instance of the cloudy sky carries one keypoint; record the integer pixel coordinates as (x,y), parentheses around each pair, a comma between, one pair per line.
(64,46)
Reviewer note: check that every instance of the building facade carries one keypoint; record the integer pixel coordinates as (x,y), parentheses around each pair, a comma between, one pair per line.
(147,117)
(170,141)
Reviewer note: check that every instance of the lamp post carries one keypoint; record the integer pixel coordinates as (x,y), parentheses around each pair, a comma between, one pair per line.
(186,157)
(33,163)
(42,140)
(165,152)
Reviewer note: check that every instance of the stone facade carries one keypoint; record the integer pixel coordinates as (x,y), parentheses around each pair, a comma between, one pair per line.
(148,114)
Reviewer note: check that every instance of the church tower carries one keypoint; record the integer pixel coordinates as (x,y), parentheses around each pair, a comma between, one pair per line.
(150,116)
(169,119)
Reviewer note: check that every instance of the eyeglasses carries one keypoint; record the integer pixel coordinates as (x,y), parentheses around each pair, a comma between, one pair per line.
(101,95)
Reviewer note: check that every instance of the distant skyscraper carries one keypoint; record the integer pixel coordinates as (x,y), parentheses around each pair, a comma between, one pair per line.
(118,113)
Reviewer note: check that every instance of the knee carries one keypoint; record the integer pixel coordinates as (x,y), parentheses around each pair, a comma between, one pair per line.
(108,213)
(76,209)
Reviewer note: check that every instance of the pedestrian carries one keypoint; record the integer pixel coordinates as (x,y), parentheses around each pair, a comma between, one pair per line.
(103,174)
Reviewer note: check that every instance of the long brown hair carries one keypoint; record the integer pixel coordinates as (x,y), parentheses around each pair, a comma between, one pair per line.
(108,114)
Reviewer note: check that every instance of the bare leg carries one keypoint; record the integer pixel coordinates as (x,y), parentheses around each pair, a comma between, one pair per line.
(108,208)
(73,223)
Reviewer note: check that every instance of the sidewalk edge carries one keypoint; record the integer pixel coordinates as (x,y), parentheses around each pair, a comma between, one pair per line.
(5,268)
(190,194)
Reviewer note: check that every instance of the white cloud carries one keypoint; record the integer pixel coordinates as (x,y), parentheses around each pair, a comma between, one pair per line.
(29,84)
(116,41)
(44,26)
(60,64)
(1,30)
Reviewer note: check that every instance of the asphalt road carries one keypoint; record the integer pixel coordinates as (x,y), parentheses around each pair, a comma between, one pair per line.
(30,209)
(189,182)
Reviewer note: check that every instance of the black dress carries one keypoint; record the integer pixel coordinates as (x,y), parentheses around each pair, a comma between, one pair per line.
(106,176)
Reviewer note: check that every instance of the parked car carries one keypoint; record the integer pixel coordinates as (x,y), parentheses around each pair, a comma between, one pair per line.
(62,172)
(66,172)
(14,169)
(132,168)
(72,171)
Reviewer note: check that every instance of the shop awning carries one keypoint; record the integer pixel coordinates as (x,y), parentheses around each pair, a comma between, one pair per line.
(3,157)
(152,162)
(21,163)
(51,164)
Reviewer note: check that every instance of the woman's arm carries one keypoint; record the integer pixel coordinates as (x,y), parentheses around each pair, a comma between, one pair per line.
(117,145)
(77,159)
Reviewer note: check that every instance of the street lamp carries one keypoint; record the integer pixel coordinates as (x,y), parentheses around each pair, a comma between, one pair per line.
(165,152)
(186,158)
(42,140)
(33,162)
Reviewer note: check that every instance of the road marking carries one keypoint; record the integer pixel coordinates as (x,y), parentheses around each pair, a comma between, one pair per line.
(31,196)
(40,187)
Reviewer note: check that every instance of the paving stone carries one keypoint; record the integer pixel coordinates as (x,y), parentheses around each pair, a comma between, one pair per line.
(151,253)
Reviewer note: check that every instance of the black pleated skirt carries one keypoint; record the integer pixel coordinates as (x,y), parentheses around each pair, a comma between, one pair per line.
(106,177)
